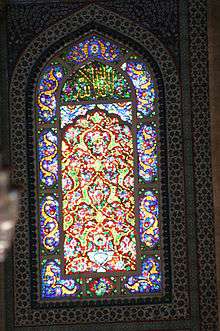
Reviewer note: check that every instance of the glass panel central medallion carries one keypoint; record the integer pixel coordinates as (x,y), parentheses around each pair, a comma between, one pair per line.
(98,204)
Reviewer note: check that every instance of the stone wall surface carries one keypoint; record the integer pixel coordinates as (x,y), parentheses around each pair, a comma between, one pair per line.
(214,95)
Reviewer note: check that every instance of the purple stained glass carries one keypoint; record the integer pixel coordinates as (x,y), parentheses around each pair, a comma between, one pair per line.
(92,48)
(144,86)
(53,285)
(149,227)
(48,158)
(150,279)
(46,93)
(147,152)
(49,217)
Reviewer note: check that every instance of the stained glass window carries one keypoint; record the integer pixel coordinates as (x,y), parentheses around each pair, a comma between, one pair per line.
(98,173)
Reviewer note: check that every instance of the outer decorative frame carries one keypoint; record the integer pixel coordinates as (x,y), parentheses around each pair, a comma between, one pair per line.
(178,311)
(164,295)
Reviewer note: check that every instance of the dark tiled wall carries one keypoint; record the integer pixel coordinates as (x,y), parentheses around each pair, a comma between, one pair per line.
(214,95)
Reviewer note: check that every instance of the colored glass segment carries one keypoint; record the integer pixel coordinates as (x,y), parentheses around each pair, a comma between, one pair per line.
(46,92)
(98,198)
(122,109)
(48,158)
(53,286)
(95,81)
(149,227)
(144,87)
(150,279)
(49,216)
(101,286)
(70,112)
(93,48)
(147,152)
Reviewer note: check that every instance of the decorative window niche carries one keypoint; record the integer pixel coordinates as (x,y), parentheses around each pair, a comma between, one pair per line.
(97,137)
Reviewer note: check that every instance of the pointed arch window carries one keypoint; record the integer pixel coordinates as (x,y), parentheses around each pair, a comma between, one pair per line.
(98,156)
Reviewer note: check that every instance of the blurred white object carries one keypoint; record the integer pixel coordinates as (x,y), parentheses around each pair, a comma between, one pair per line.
(8,213)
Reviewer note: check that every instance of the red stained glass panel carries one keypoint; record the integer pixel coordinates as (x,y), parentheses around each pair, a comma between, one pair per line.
(98,195)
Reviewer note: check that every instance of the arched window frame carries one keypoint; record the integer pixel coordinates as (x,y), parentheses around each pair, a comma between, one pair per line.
(137,122)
